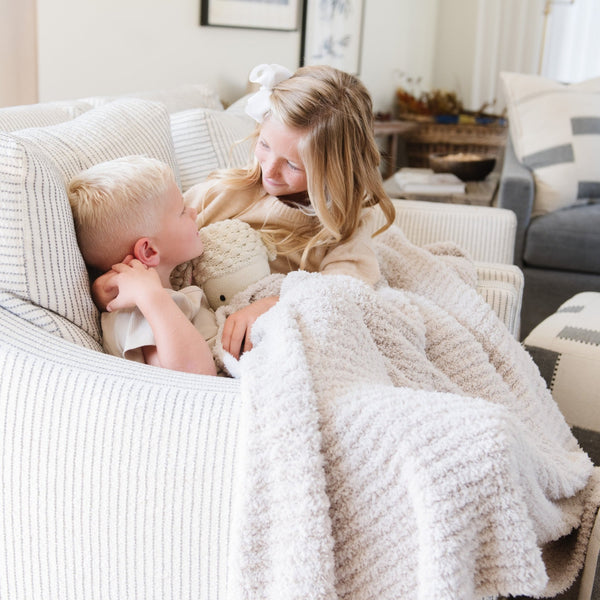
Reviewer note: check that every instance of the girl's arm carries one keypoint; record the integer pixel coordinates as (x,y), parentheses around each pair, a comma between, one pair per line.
(355,257)
(179,345)
(237,327)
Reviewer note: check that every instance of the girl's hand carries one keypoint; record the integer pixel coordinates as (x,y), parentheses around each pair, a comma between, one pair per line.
(135,283)
(237,328)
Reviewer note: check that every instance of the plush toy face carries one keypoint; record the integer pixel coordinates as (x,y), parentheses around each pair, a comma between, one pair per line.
(220,289)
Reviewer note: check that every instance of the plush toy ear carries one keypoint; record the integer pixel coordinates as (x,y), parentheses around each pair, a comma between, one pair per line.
(146,252)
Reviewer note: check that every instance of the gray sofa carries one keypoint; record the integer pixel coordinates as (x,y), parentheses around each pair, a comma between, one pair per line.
(559,252)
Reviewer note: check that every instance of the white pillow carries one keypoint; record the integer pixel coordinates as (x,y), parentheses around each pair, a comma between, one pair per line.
(206,140)
(555,129)
(42,275)
(45,114)
(183,97)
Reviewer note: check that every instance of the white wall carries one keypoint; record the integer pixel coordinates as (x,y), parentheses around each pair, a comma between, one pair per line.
(18,75)
(103,47)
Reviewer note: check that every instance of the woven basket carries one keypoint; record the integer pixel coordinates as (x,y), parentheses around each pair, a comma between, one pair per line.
(431,137)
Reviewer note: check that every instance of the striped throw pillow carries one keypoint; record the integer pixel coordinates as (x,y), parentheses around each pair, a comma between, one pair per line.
(555,129)
(206,140)
(44,114)
(42,275)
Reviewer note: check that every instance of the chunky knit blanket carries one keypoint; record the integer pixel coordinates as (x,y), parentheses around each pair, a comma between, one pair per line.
(400,443)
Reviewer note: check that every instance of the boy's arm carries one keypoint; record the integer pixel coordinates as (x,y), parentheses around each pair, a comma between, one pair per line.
(179,345)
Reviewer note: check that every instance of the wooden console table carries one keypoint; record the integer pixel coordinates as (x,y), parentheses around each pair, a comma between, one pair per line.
(393,130)
(480,193)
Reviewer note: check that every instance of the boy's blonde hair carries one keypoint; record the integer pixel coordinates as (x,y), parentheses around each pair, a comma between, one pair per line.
(114,204)
(339,152)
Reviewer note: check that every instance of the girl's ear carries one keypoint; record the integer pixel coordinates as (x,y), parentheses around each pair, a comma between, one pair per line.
(147,252)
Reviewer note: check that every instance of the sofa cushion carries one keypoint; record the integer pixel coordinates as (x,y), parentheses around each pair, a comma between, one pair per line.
(206,140)
(42,275)
(555,130)
(14,118)
(566,239)
(183,97)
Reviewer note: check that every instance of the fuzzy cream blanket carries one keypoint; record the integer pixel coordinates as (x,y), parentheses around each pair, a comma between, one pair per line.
(399,443)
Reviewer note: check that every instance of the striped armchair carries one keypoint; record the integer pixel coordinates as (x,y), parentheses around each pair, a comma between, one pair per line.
(117,477)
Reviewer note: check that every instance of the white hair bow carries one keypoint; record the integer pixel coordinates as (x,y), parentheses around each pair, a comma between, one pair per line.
(268,76)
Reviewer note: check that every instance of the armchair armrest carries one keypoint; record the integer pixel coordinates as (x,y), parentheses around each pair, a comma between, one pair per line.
(118,474)
(486,233)
(501,286)
(516,193)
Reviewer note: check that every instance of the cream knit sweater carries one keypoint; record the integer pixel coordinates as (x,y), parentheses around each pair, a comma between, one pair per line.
(355,257)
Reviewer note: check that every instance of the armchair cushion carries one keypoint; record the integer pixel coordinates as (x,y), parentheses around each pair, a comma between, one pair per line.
(207,139)
(183,97)
(45,114)
(565,239)
(555,130)
(43,278)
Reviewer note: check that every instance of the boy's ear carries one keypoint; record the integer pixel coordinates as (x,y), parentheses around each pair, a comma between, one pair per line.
(146,252)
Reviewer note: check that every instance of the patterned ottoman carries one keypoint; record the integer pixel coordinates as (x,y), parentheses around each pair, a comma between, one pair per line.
(566,348)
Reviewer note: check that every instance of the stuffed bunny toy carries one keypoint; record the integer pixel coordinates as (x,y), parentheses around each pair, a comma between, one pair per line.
(234,257)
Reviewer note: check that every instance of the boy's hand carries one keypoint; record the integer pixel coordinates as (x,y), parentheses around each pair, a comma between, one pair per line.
(134,282)
(104,288)
(237,327)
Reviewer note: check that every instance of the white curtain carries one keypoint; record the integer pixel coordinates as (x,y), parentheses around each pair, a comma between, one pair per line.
(510,37)
(572,43)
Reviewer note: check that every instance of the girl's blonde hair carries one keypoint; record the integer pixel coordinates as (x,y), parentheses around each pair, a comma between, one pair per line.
(115,203)
(339,153)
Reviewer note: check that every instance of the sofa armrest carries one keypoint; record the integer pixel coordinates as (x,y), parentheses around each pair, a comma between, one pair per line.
(501,286)
(516,193)
(486,233)
(117,477)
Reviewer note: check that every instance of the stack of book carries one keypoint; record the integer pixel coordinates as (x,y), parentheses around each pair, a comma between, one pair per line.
(425,181)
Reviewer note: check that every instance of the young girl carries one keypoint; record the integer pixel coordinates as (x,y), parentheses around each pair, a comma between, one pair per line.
(312,186)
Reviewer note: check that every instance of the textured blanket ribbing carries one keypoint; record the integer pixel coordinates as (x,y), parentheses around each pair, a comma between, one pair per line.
(401,444)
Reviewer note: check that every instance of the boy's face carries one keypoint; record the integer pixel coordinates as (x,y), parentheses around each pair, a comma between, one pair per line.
(177,235)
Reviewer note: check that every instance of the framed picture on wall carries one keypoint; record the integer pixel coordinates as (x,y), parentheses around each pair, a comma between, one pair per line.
(253,14)
(332,34)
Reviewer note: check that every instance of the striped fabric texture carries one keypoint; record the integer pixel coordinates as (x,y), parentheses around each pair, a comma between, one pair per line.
(183,97)
(41,115)
(555,129)
(116,478)
(206,140)
(42,275)
(486,233)
(501,286)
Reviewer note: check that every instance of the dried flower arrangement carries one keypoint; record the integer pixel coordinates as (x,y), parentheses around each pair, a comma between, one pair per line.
(439,105)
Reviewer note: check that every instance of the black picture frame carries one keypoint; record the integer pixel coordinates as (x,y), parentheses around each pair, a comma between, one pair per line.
(332,32)
(280,15)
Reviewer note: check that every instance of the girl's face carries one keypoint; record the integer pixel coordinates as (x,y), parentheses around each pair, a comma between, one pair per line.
(277,153)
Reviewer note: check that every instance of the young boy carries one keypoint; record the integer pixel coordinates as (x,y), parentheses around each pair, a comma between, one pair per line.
(131,220)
